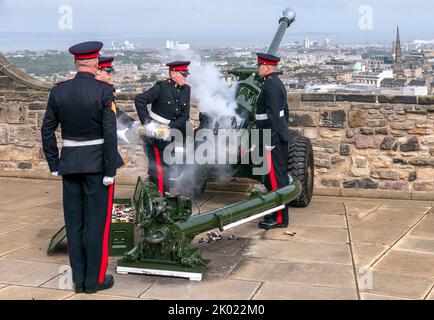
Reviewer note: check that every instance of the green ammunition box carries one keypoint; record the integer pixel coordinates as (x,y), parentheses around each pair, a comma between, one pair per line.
(121,233)
(121,237)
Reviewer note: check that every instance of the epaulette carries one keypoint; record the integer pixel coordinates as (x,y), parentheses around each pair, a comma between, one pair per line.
(167,81)
(60,82)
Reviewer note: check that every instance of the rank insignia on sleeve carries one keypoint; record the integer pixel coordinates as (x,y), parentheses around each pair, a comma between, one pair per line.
(113,107)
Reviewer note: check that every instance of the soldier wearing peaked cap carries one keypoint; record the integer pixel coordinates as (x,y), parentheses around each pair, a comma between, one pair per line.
(105,72)
(170,100)
(85,110)
(272,114)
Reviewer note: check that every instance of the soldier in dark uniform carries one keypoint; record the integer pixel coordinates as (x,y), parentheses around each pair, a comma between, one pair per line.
(170,101)
(272,114)
(105,72)
(85,109)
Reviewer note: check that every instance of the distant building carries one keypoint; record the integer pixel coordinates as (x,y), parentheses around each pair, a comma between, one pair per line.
(372,78)
(240,54)
(322,88)
(175,45)
(306,43)
(378,63)
(416,87)
(392,83)
(126,45)
(413,73)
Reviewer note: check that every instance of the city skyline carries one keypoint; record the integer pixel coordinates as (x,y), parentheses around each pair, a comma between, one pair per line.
(56,24)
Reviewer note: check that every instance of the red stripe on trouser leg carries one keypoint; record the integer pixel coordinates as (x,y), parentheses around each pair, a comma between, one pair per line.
(105,241)
(159,170)
(273,181)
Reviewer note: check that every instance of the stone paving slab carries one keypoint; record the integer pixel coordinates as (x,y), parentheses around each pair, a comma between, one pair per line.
(365,254)
(430,214)
(58,205)
(10,246)
(125,285)
(15,190)
(370,296)
(29,293)
(409,263)
(308,273)
(212,289)
(320,207)
(299,251)
(424,229)
(26,203)
(288,291)
(99,296)
(38,252)
(317,220)
(309,234)
(415,245)
(397,285)
(359,208)
(405,218)
(27,273)
(224,246)
(430,296)
(220,265)
(408,207)
(33,216)
(33,234)
(376,233)
(6,226)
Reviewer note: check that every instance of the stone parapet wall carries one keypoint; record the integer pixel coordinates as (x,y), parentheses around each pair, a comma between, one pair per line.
(368,141)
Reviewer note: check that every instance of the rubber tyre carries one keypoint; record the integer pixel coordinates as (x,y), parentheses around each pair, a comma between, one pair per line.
(301,166)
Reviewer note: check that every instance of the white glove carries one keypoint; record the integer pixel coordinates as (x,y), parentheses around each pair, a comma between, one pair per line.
(150,129)
(55,173)
(156,130)
(108,181)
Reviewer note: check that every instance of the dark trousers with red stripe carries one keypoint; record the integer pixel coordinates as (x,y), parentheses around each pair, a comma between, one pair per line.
(158,170)
(87,206)
(277,162)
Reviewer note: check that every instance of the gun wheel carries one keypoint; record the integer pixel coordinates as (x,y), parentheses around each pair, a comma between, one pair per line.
(301,166)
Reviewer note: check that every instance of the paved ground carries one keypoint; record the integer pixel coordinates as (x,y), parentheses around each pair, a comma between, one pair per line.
(344,248)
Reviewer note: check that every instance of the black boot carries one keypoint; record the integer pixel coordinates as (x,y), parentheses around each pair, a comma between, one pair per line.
(272,216)
(271,224)
(107,284)
(78,287)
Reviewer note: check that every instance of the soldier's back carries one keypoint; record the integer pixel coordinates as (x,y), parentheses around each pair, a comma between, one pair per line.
(80,106)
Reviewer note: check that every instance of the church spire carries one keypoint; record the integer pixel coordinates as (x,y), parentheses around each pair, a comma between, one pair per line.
(398,69)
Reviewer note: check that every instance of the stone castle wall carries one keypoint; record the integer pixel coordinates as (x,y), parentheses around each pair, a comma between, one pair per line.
(367,142)
(365,145)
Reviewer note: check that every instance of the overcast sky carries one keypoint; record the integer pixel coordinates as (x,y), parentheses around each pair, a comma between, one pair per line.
(212,22)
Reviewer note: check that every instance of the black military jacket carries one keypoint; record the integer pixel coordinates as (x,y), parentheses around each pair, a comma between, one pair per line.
(273,103)
(85,109)
(169,100)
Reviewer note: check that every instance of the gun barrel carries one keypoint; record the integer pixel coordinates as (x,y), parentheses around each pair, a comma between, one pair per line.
(220,218)
(287,18)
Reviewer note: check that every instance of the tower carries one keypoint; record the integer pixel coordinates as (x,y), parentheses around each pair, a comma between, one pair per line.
(398,69)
